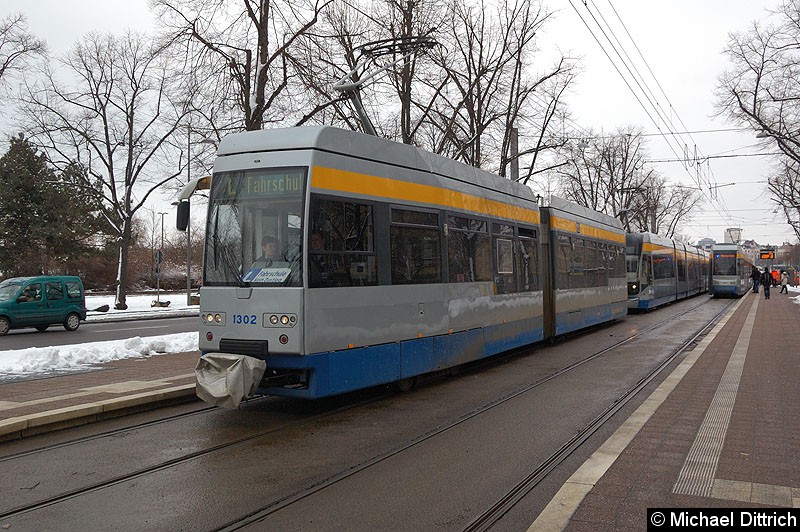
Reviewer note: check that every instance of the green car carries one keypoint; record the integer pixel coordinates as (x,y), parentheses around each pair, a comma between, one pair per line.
(40,302)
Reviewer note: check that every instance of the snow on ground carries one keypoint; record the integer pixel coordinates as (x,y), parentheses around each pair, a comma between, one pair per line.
(139,306)
(64,358)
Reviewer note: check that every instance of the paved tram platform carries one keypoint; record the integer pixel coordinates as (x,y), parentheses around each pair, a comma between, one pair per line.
(720,431)
(108,390)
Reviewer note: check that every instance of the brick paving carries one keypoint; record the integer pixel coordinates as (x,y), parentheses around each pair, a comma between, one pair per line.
(757,464)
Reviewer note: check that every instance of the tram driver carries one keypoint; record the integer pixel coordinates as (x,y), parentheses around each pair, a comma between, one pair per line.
(269,251)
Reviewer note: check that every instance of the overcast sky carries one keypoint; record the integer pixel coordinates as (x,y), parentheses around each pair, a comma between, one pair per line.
(681,41)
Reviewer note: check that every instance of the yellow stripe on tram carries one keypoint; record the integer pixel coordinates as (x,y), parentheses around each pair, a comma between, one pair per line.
(394,189)
(571,226)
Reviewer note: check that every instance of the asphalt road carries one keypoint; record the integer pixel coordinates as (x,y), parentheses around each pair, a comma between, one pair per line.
(96,332)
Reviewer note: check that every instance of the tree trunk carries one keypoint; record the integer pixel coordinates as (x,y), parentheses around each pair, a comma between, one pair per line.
(122,267)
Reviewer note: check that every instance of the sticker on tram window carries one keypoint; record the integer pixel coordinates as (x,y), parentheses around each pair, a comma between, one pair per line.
(266,275)
(245,319)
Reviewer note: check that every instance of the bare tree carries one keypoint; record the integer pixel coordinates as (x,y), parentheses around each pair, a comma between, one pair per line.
(331,52)
(415,86)
(112,107)
(609,174)
(662,208)
(491,88)
(17,45)
(785,189)
(761,89)
(243,50)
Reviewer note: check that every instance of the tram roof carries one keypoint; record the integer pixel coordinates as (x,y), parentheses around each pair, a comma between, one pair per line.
(355,144)
(586,213)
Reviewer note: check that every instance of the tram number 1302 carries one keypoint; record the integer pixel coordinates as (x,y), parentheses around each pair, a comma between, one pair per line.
(245,319)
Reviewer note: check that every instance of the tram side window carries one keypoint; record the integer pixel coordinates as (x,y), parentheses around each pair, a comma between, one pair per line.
(681,269)
(415,242)
(619,265)
(528,260)
(505,276)
(468,250)
(604,264)
(647,269)
(662,267)
(590,264)
(563,260)
(613,260)
(341,239)
(577,271)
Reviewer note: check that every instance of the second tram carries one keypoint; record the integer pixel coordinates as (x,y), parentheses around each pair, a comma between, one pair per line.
(661,270)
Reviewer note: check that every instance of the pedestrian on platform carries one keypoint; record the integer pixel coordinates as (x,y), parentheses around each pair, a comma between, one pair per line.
(755,275)
(784,282)
(766,281)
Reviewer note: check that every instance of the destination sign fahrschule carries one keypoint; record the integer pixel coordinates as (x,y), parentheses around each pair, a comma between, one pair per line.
(254,185)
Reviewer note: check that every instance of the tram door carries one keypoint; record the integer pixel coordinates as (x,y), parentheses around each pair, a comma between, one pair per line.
(547,269)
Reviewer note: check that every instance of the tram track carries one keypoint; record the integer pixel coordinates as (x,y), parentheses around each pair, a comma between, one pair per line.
(495,512)
(505,503)
(490,516)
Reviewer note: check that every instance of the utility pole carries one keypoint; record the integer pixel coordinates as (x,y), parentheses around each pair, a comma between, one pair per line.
(189,227)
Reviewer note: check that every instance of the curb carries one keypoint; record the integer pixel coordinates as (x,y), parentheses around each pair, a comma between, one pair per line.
(117,317)
(71,416)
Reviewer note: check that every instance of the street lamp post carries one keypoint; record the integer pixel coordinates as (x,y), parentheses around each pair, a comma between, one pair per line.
(159,260)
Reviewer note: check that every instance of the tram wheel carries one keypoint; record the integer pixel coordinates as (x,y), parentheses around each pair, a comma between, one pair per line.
(405,385)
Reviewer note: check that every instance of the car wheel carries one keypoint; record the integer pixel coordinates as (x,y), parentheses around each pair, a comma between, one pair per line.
(72,322)
(42,328)
(5,325)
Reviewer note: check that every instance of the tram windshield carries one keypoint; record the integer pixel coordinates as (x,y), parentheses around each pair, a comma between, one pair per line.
(725,263)
(254,231)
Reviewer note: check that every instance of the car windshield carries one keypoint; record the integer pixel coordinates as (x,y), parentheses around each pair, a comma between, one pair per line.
(254,232)
(7,292)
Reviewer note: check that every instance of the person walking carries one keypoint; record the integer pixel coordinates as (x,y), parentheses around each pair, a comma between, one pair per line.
(784,282)
(766,281)
(755,275)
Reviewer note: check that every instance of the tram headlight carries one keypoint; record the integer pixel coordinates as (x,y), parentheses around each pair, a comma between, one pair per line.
(213,318)
(280,320)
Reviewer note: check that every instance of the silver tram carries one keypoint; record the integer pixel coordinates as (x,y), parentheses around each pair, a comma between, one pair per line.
(731,269)
(391,262)
(661,270)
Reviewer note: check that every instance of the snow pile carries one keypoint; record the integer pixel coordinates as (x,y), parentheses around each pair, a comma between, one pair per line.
(62,358)
(40,360)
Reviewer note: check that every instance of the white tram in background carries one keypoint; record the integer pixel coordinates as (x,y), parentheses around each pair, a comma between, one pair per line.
(393,262)
(661,270)
(731,269)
